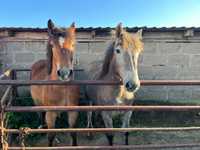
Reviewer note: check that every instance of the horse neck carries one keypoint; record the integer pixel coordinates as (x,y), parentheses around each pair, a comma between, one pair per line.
(111,75)
(53,75)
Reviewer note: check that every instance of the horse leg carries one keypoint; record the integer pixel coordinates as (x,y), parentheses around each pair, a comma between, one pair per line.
(50,120)
(89,118)
(42,120)
(89,121)
(72,117)
(108,124)
(126,124)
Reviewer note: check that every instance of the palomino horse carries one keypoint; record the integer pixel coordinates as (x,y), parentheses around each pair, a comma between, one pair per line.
(120,63)
(58,66)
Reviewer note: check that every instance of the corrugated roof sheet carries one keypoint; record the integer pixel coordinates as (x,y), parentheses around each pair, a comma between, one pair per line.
(101,29)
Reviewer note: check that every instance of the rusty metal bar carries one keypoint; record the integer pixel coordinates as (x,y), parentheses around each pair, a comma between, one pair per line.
(21,69)
(99,82)
(170,82)
(55,82)
(115,147)
(5,95)
(43,40)
(102,130)
(101,108)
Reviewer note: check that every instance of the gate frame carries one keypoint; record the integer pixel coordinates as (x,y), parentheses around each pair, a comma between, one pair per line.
(12,87)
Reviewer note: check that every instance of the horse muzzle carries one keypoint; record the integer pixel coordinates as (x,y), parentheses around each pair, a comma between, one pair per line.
(64,73)
(132,86)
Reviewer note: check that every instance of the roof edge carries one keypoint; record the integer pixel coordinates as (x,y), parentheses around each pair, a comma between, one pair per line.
(103,29)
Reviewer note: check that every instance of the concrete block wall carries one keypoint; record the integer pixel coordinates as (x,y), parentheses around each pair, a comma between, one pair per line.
(167,55)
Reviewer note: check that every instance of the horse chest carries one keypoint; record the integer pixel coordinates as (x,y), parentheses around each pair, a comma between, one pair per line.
(55,95)
(109,95)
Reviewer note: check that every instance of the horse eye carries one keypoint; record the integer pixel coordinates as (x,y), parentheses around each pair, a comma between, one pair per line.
(118,51)
(63,51)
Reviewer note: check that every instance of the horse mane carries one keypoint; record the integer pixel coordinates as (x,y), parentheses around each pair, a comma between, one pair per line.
(106,62)
(49,58)
(132,42)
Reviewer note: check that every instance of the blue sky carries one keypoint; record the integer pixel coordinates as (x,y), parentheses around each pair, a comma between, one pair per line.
(86,13)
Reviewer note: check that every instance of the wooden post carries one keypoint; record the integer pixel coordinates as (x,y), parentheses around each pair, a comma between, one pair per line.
(14,94)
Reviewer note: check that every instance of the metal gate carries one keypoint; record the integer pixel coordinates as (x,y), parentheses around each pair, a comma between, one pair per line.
(6,107)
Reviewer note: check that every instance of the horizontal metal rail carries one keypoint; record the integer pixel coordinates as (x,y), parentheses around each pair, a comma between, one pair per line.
(102,130)
(102,40)
(99,82)
(56,82)
(22,69)
(170,82)
(101,108)
(114,147)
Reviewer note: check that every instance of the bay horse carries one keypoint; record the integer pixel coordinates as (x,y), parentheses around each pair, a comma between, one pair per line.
(120,63)
(57,66)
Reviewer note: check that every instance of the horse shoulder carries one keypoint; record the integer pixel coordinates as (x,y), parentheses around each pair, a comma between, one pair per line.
(39,70)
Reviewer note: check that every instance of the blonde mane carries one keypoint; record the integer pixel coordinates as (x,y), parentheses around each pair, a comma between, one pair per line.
(132,42)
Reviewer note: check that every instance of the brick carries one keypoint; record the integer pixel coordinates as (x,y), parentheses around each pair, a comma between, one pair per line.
(35,46)
(85,59)
(82,48)
(179,93)
(3,48)
(7,59)
(169,48)
(164,73)
(195,60)
(150,47)
(190,73)
(39,56)
(15,47)
(152,93)
(178,60)
(191,48)
(24,58)
(145,72)
(154,60)
(98,47)
(27,65)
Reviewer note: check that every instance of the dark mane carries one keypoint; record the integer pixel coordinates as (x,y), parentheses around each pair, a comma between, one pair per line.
(107,60)
(49,57)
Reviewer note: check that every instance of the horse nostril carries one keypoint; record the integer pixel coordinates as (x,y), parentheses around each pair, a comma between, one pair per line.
(130,86)
(58,72)
(70,72)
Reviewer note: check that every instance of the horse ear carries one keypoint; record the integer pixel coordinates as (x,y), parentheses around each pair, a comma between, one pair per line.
(119,30)
(139,34)
(73,27)
(51,27)
(49,58)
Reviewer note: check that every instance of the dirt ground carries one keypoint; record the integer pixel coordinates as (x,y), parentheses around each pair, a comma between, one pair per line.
(135,138)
